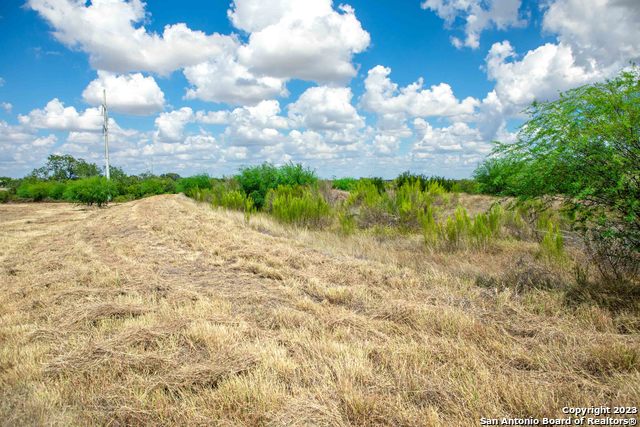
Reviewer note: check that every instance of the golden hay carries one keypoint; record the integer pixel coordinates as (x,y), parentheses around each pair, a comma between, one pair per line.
(165,312)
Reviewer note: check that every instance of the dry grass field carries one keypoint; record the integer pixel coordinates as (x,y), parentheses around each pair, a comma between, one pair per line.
(163,311)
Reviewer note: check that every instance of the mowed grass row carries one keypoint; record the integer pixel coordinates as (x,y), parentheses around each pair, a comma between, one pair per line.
(164,311)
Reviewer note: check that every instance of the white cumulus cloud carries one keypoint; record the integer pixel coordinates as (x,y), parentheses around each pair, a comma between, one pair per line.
(478,15)
(170,125)
(383,96)
(129,93)
(45,141)
(299,39)
(458,139)
(595,39)
(224,79)
(109,31)
(600,32)
(539,75)
(55,116)
(326,108)
(257,125)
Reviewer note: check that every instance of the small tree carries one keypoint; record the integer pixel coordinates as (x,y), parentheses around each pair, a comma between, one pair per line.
(256,181)
(586,146)
(65,167)
(96,190)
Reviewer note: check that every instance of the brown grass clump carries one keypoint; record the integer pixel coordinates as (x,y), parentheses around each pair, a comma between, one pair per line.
(165,312)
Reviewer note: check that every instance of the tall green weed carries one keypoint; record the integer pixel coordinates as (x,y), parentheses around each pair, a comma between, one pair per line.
(300,205)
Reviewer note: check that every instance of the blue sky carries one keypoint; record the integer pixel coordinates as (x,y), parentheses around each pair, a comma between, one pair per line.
(357,88)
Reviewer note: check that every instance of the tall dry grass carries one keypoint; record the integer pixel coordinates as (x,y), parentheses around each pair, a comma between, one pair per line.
(163,311)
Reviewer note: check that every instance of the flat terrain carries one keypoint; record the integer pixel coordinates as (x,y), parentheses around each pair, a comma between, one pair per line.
(162,311)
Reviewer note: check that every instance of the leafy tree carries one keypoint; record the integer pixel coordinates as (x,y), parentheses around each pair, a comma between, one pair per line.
(585,146)
(498,175)
(172,176)
(256,181)
(40,190)
(152,186)
(5,181)
(345,184)
(95,190)
(192,183)
(9,185)
(378,182)
(65,167)
(117,173)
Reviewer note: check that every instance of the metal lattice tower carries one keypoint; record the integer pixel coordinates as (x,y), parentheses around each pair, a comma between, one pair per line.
(105,132)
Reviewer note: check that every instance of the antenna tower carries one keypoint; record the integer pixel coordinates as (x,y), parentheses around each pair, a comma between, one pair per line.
(105,132)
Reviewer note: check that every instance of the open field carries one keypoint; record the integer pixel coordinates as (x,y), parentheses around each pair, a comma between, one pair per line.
(165,311)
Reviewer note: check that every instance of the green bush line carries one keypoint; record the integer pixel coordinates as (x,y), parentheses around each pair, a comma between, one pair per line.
(468,186)
(408,207)
(292,195)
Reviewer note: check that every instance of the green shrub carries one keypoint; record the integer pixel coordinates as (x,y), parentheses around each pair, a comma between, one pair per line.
(41,190)
(498,176)
(5,196)
(469,186)
(408,203)
(347,222)
(344,184)
(249,209)
(449,185)
(36,191)
(402,206)
(222,194)
(189,185)
(495,219)
(56,190)
(457,228)
(480,231)
(302,206)
(256,181)
(377,182)
(296,174)
(91,191)
(365,193)
(552,244)
(431,230)
(153,186)
(370,205)
(233,200)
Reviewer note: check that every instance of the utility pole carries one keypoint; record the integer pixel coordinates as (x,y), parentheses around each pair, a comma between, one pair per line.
(105,131)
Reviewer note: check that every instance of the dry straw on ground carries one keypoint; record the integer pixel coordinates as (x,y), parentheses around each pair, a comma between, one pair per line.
(165,312)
